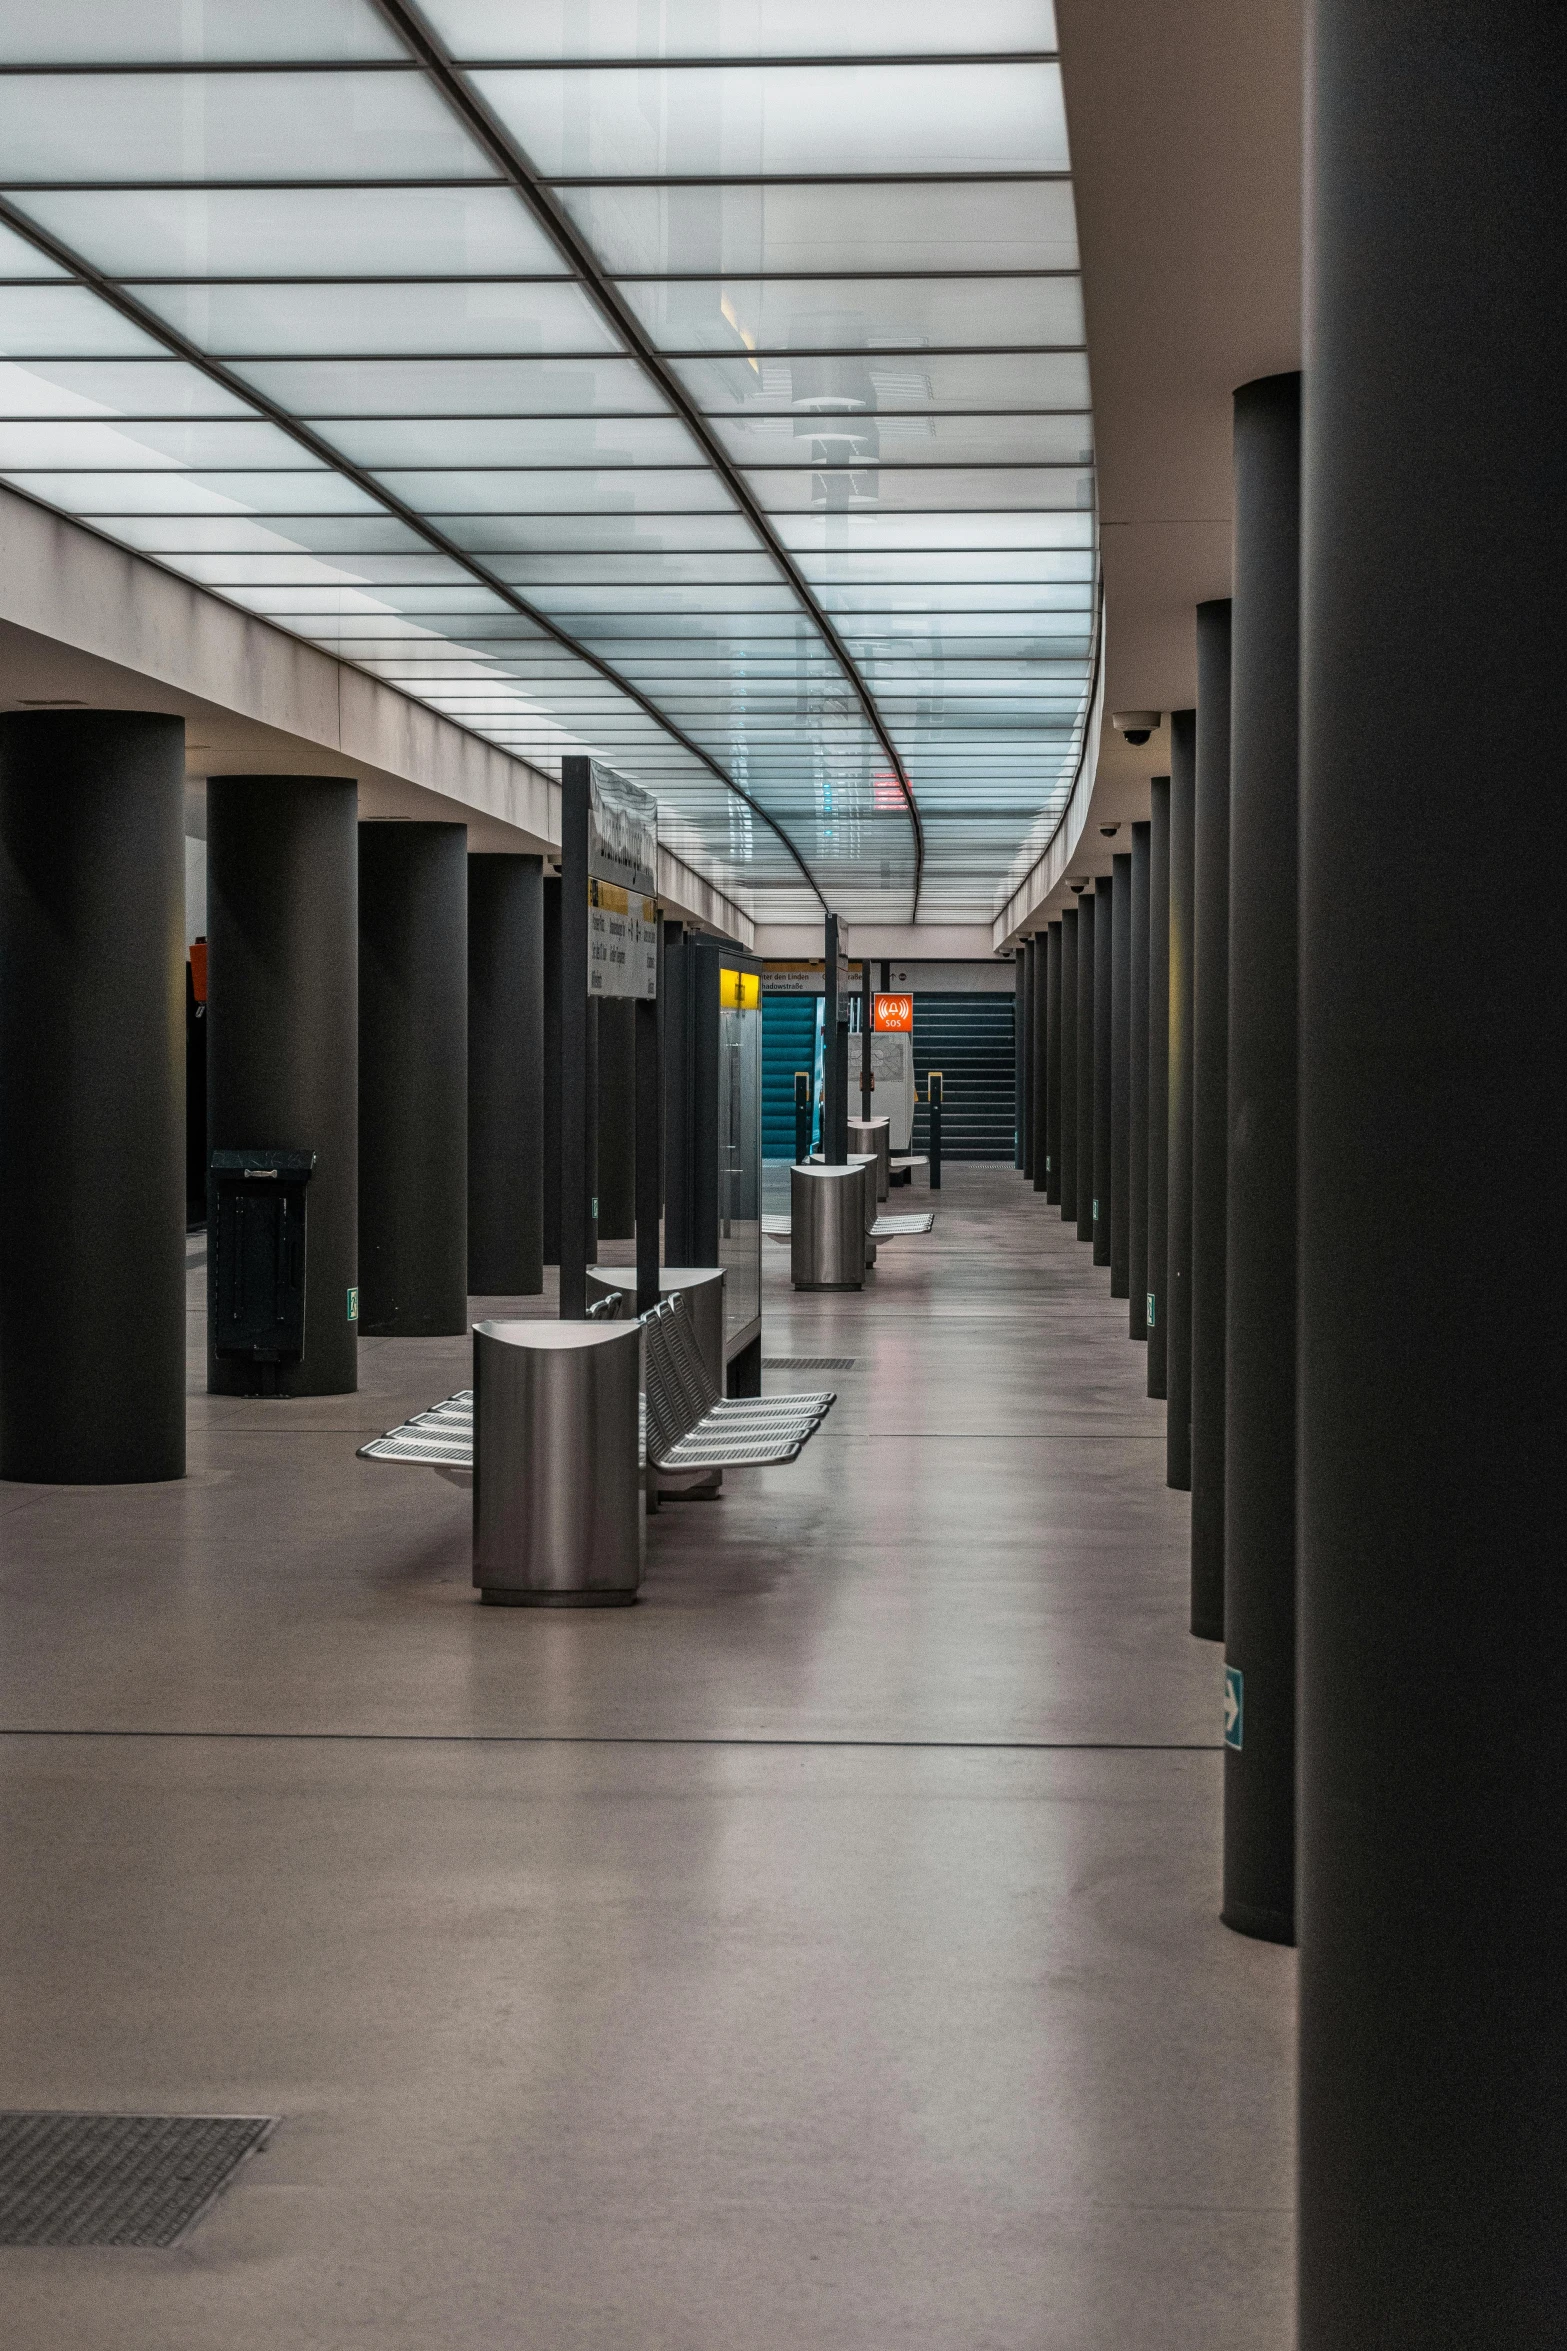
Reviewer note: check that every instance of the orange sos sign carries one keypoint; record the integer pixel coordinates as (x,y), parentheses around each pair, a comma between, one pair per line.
(895,1014)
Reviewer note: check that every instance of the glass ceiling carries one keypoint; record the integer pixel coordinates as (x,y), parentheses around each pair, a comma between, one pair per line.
(695,383)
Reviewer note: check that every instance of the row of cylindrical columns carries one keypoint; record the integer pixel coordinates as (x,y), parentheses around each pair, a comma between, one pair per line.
(374,997)
(1364,1391)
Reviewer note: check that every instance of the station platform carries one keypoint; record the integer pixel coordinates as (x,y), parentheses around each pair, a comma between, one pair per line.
(821,1955)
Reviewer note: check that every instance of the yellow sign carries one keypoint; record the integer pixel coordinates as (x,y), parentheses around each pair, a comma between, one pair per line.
(739,991)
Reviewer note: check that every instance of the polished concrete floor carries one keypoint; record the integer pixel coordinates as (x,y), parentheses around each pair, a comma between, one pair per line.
(821,1956)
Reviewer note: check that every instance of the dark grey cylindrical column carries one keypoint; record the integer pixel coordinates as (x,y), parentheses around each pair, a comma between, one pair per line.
(413,1080)
(1022,999)
(1053,1064)
(1137,1111)
(283,1038)
(617,1111)
(1433,1602)
(553,1073)
(1158,1077)
(92,1097)
(1178,1159)
(1120,1075)
(1087,1172)
(1210,1111)
(1259,1445)
(1104,1065)
(1070,959)
(505,1076)
(1039,1083)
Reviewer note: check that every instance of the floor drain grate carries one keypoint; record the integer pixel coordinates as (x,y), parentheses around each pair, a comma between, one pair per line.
(116,2179)
(807,1363)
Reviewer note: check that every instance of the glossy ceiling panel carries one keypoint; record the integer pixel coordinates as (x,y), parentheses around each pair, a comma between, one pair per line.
(699,387)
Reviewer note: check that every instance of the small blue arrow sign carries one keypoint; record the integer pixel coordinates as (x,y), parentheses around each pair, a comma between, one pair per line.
(1234,1706)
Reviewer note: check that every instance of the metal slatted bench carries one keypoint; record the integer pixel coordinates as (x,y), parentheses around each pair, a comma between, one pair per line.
(442,1438)
(884,1228)
(690,1426)
(686,1424)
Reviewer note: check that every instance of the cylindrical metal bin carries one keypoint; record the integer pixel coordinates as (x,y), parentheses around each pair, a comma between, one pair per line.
(874,1136)
(557,1517)
(827,1222)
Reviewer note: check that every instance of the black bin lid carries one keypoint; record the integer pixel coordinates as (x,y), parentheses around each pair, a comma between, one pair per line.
(290,1167)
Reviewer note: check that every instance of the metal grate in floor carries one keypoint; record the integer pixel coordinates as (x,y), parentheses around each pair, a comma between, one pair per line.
(807,1363)
(117,2179)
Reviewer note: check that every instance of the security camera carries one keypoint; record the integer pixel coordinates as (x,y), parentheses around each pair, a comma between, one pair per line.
(1109,831)
(1135,725)
(1077,888)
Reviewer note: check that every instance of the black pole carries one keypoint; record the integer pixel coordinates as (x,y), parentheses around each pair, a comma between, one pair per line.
(1070,959)
(616,1097)
(1137,1142)
(283,1023)
(92,1097)
(1433,1605)
(1158,1076)
(1020,1158)
(1178,1159)
(1039,1059)
(1087,1173)
(867,1084)
(835,1141)
(802,1116)
(935,1086)
(575,1171)
(550,1123)
(505,1077)
(649,1099)
(413,1080)
(1053,1065)
(1210,1112)
(1121,1076)
(1259,1453)
(1104,1067)
(675,982)
(195,1092)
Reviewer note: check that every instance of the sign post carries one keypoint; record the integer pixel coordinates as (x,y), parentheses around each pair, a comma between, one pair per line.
(608,948)
(867,1073)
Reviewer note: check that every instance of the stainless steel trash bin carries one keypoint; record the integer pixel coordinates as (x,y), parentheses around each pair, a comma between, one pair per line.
(827,1218)
(557,1516)
(875,1135)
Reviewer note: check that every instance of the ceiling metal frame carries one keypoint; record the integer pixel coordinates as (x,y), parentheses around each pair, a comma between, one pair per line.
(470,109)
(111,291)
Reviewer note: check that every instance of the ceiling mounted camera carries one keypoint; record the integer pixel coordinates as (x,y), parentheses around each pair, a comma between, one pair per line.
(1136,725)
(1109,831)
(1077,888)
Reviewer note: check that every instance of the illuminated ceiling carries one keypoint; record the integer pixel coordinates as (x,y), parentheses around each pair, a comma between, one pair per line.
(699,383)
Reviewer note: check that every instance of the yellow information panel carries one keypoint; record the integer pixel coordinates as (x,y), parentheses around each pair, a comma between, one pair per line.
(738,991)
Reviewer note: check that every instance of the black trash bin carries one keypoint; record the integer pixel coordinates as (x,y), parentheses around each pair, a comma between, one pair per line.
(256,1258)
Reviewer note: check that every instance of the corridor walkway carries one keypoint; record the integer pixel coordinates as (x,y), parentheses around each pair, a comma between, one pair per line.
(821,1956)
